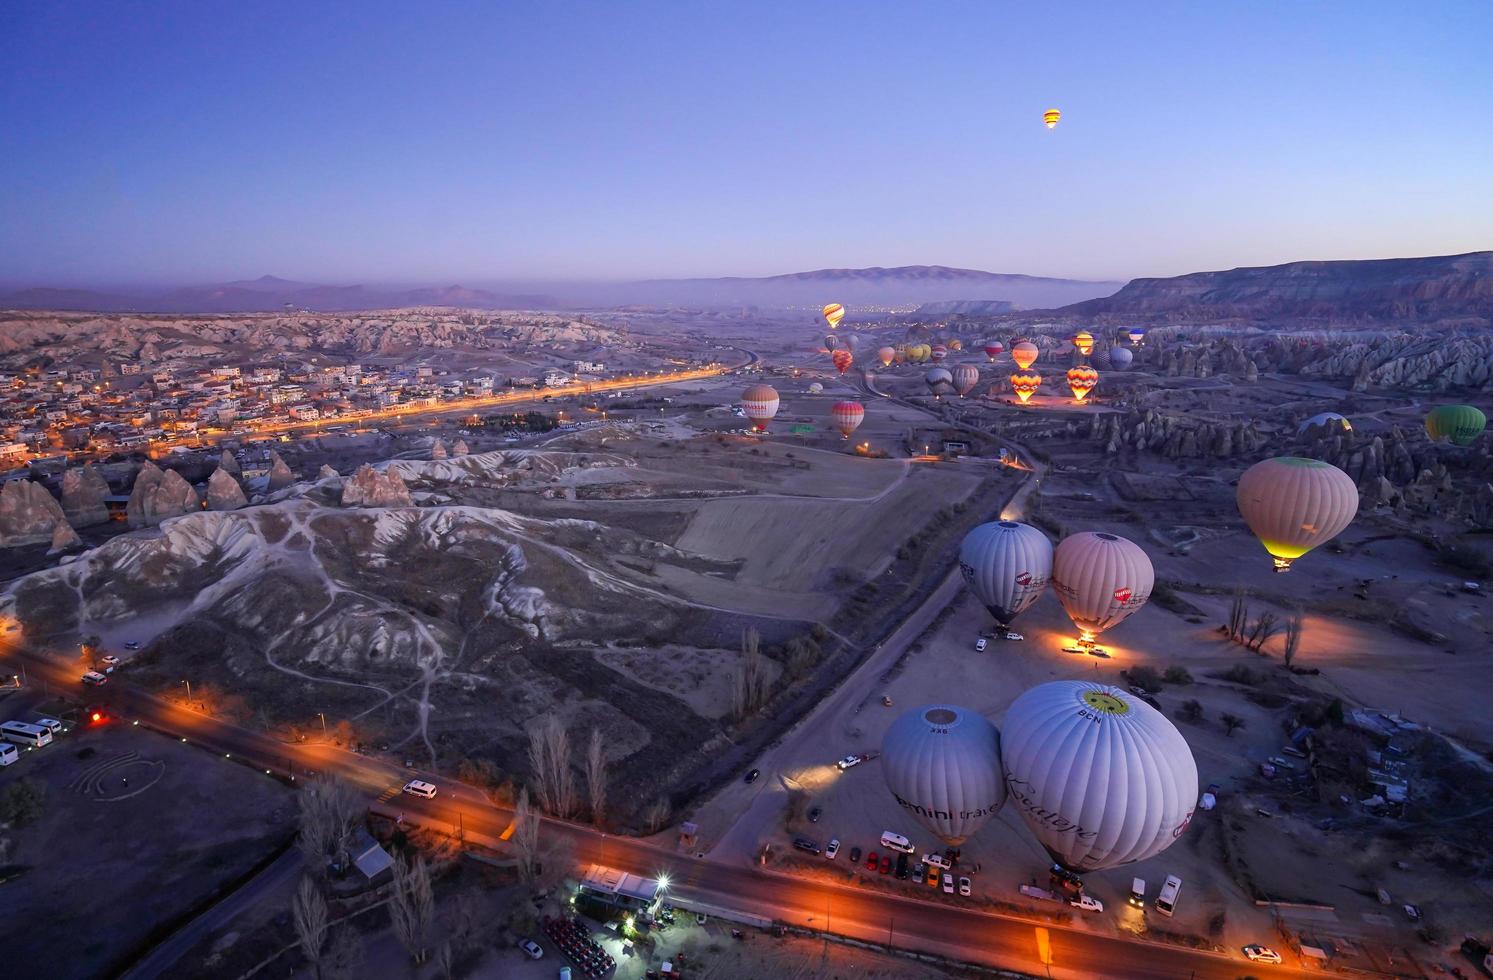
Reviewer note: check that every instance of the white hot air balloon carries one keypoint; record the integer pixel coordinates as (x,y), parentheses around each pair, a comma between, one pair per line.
(1006,565)
(1120,358)
(943,765)
(965,376)
(1100,777)
(1100,578)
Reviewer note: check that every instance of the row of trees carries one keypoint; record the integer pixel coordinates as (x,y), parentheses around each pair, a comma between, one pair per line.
(1254,634)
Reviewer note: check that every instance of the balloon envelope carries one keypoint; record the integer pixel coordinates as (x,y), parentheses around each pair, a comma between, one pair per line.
(1024,353)
(966,376)
(993,349)
(1294,504)
(1330,423)
(886,355)
(1081,380)
(842,360)
(833,314)
(1100,578)
(1100,777)
(760,403)
(942,763)
(1084,341)
(1120,358)
(1006,565)
(847,416)
(1025,384)
(1459,423)
(1050,118)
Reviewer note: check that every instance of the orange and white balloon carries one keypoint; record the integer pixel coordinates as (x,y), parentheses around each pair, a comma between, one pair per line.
(847,416)
(1084,341)
(886,355)
(760,402)
(842,360)
(1024,353)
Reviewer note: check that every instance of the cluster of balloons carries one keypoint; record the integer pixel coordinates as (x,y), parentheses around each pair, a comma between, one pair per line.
(1100,778)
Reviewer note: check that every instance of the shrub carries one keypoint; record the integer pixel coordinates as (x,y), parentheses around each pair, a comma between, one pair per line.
(22,802)
(1176,675)
(1144,677)
(1191,710)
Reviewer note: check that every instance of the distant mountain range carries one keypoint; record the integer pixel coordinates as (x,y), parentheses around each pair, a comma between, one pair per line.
(1435,288)
(268,294)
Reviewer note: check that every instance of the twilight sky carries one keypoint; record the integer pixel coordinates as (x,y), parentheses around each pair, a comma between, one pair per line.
(364,142)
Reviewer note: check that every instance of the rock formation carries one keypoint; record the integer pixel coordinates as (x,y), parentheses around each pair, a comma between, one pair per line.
(280,474)
(370,488)
(64,538)
(438,450)
(83,493)
(159,495)
(459,448)
(229,464)
(28,514)
(224,492)
(326,473)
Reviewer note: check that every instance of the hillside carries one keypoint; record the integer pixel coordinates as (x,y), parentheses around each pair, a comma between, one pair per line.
(1436,288)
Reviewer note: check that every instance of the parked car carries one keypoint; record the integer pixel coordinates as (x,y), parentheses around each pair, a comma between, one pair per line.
(948,884)
(886,700)
(531,949)
(1261,954)
(1412,912)
(872,861)
(850,762)
(751,777)
(805,844)
(132,645)
(902,866)
(855,855)
(886,864)
(815,814)
(50,724)
(109,660)
(94,679)
(1014,636)
(980,645)
(964,888)
(833,849)
(1087,903)
(918,871)
(938,861)
(932,877)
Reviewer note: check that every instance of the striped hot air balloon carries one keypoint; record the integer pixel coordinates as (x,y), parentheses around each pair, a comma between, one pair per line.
(1050,118)
(938,352)
(1081,380)
(956,344)
(1120,358)
(966,376)
(842,359)
(993,349)
(886,355)
(939,381)
(833,314)
(1084,341)
(1024,353)
(1025,384)
(760,403)
(847,416)
(831,341)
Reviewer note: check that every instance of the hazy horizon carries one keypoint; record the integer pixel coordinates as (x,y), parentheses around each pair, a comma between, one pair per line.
(591,143)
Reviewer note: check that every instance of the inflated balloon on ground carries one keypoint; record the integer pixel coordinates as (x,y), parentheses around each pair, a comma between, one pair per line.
(943,766)
(1006,565)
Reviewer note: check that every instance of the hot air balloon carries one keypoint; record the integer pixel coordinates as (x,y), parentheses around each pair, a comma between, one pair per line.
(1293,504)
(853,341)
(993,349)
(1025,384)
(1081,380)
(1328,422)
(943,765)
(816,388)
(938,352)
(1101,359)
(831,341)
(1099,776)
(1024,353)
(918,353)
(901,352)
(847,416)
(956,344)
(833,314)
(842,360)
(1459,423)
(1120,358)
(886,355)
(1006,565)
(1137,335)
(939,381)
(761,404)
(1100,578)
(1084,342)
(966,376)
(1050,118)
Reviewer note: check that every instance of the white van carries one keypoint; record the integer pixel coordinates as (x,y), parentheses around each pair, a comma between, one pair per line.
(896,842)
(419,787)
(50,724)
(1166,902)
(1138,892)
(8,753)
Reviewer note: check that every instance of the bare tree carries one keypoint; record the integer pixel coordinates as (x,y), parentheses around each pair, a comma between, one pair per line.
(596,777)
(309,914)
(344,957)
(750,679)
(464,922)
(657,815)
(330,812)
(1263,629)
(1231,722)
(445,960)
(525,837)
(1292,640)
(549,760)
(557,860)
(1238,614)
(412,905)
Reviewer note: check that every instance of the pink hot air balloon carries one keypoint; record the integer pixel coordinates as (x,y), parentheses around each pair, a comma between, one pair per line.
(938,352)
(848,416)
(994,349)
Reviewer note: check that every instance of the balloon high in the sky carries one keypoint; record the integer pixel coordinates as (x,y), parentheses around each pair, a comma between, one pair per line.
(1100,777)
(886,355)
(1024,353)
(993,349)
(943,765)
(848,416)
(1293,505)
(1025,384)
(1084,342)
(1050,118)
(1459,423)
(1100,578)
(833,314)
(760,403)
(1006,565)
(831,341)
(842,359)
(1081,380)
(966,376)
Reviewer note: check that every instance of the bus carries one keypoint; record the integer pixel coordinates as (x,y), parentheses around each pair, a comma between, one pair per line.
(1167,900)
(31,736)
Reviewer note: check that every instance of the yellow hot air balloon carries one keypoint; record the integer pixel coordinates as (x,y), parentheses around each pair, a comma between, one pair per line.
(1051,117)
(1082,380)
(833,314)
(1084,341)
(1025,384)
(1024,353)
(1294,504)
(956,344)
